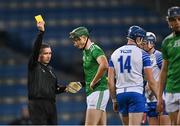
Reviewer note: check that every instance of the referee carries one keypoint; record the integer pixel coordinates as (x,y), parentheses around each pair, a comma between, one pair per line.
(42,83)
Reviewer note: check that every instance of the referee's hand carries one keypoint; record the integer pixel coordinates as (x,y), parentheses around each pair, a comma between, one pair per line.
(40,26)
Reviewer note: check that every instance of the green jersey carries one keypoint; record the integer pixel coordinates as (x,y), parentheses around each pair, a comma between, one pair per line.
(90,66)
(171,53)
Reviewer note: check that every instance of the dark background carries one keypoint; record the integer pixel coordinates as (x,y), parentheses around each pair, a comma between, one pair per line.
(108,22)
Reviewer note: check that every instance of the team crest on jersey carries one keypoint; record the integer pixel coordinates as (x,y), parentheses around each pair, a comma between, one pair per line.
(177,43)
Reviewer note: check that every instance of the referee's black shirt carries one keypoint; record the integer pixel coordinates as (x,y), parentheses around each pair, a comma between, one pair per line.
(42,82)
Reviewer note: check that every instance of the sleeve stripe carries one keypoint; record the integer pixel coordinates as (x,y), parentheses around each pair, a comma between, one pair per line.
(111,63)
(146,59)
(159,59)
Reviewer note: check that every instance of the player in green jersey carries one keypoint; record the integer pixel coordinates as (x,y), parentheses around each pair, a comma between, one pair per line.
(170,72)
(95,66)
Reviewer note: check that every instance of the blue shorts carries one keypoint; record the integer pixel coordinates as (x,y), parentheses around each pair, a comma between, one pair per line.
(151,110)
(130,102)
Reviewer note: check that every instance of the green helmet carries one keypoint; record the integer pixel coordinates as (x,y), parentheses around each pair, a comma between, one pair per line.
(78,32)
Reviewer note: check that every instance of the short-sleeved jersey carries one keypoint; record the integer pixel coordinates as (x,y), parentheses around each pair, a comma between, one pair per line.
(129,62)
(90,66)
(156,63)
(171,53)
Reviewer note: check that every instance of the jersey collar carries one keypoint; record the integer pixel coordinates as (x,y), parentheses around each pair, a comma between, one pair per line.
(90,46)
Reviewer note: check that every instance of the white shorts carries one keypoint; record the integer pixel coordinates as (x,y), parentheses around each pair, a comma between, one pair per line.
(98,100)
(172,102)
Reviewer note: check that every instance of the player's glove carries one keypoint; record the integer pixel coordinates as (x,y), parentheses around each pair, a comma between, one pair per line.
(73,87)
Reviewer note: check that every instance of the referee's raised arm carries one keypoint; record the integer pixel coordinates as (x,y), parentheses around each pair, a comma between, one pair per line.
(42,83)
(37,45)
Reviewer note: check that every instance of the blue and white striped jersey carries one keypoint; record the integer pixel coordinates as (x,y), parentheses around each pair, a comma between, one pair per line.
(156,63)
(129,62)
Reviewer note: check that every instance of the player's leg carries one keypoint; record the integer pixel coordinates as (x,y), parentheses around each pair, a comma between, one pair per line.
(96,105)
(153,120)
(135,118)
(136,108)
(156,119)
(178,118)
(173,117)
(172,106)
(122,99)
(92,116)
(124,118)
(164,120)
(103,119)
(152,114)
(144,120)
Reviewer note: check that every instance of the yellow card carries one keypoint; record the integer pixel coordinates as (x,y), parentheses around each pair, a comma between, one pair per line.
(39,18)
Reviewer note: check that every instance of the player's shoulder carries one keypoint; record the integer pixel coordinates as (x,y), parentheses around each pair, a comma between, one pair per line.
(168,38)
(158,55)
(144,53)
(116,51)
(94,47)
(157,52)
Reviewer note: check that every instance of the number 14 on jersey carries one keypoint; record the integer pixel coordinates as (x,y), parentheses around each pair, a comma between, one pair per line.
(125,65)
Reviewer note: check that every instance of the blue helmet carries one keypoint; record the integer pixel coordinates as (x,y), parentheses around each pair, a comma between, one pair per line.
(173,12)
(136,31)
(150,37)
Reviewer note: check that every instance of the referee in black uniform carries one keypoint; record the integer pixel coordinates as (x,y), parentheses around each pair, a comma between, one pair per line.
(42,83)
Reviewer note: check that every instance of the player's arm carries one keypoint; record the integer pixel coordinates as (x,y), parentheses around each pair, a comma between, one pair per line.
(162,83)
(148,72)
(103,66)
(151,81)
(159,60)
(37,45)
(162,78)
(111,85)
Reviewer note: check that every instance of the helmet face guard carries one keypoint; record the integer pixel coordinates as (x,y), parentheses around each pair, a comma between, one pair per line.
(149,41)
(150,38)
(172,13)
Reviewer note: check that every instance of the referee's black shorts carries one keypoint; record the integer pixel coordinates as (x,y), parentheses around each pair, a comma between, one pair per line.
(42,112)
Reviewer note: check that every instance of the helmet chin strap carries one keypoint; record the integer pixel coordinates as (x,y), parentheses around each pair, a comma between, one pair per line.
(150,49)
(85,43)
(177,33)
